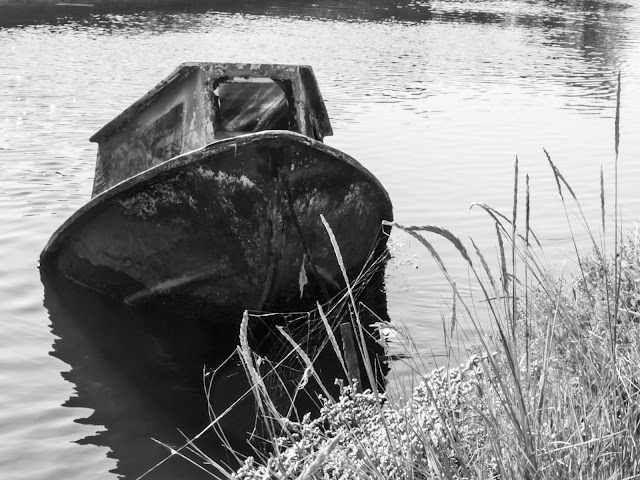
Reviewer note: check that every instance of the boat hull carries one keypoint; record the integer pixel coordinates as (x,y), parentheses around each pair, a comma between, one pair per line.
(235,225)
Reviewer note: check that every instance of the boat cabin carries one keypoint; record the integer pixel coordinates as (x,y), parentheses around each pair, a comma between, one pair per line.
(200,103)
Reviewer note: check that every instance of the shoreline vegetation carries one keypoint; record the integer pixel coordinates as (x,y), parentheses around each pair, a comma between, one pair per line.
(551,387)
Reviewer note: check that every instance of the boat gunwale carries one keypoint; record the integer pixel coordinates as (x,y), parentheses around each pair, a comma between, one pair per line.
(196,155)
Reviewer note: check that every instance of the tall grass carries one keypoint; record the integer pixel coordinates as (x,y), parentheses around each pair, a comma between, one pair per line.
(551,389)
(548,396)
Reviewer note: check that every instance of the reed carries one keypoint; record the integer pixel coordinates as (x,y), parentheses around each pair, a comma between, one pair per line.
(554,393)
(551,388)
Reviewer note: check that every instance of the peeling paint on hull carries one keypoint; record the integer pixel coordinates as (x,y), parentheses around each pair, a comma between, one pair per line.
(226,228)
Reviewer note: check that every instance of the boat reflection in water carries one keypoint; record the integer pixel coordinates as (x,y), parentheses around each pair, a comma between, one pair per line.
(142,375)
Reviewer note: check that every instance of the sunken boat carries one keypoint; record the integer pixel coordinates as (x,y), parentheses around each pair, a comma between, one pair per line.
(208,195)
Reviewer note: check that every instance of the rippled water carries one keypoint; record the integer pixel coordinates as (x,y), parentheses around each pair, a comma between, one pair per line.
(436,98)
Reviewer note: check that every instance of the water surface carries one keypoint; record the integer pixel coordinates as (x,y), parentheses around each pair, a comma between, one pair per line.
(435,98)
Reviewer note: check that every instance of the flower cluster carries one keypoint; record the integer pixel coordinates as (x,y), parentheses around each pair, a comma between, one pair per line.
(361,435)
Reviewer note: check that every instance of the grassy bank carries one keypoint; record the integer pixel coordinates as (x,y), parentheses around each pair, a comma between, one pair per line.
(552,391)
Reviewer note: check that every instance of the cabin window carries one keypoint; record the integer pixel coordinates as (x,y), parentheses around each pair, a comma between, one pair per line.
(250,105)
(163,137)
(135,150)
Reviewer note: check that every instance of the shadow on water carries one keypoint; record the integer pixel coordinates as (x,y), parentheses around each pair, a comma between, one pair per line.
(142,375)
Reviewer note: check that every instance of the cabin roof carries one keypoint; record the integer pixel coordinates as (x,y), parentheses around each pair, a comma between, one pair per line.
(299,73)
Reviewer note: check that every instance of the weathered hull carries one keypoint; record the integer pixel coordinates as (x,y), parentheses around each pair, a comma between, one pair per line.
(232,226)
